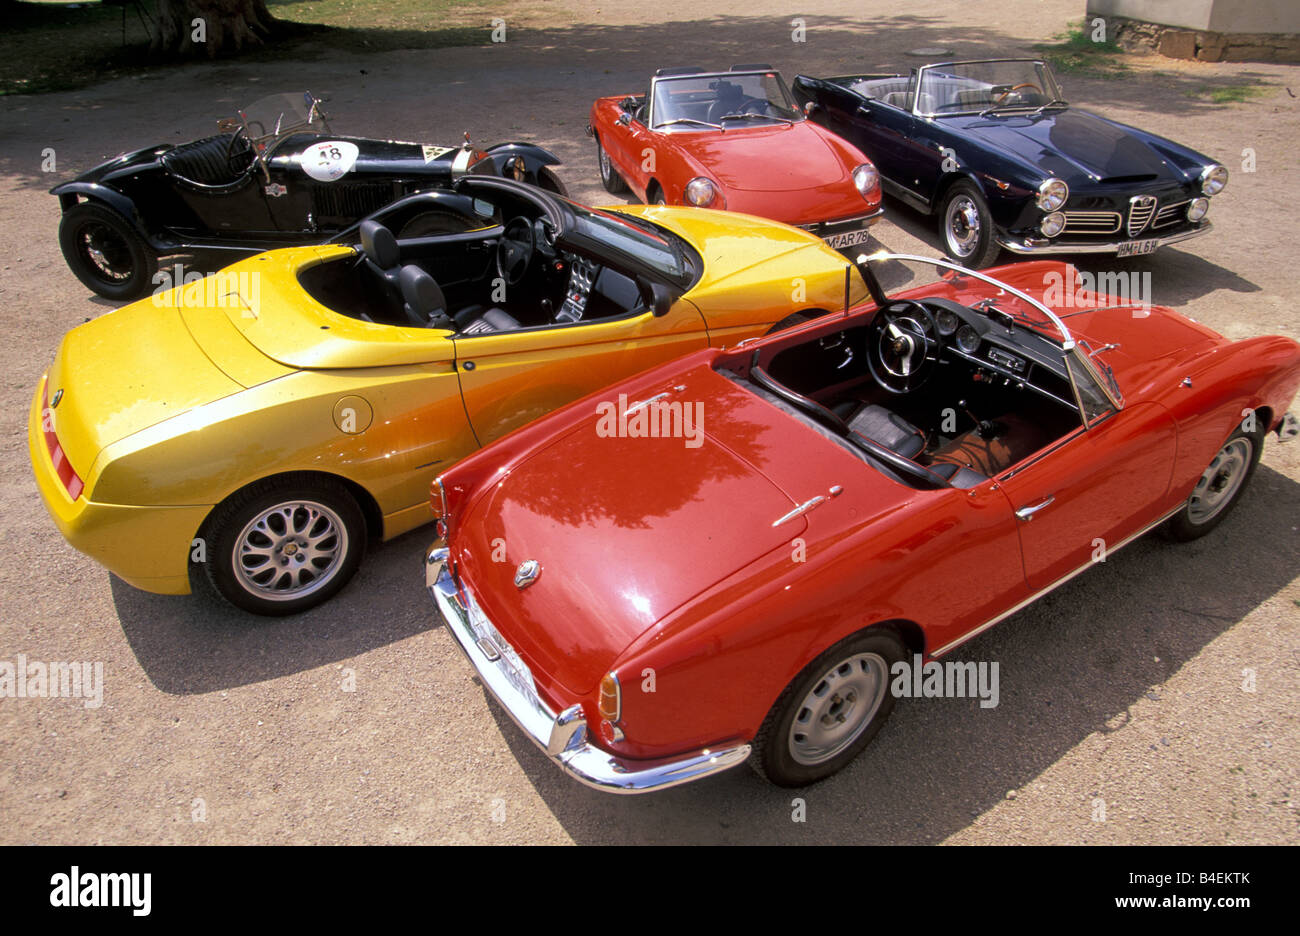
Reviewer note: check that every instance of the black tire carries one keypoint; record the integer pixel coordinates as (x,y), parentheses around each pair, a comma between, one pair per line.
(970,238)
(656,195)
(609,176)
(293,511)
(1219,488)
(106,252)
(795,318)
(550,182)
(774,746)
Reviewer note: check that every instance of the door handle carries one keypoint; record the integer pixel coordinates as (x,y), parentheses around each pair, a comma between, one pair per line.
(1027,513)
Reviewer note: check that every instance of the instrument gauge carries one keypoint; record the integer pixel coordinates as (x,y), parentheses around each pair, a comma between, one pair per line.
(968,339)
(947,322)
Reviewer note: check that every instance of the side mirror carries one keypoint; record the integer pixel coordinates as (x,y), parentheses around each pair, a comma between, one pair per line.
(227,125)
(810,108)
(625,118)
(661,299)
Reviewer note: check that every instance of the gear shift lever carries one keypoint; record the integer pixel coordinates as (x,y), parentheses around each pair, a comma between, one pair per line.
(985,428)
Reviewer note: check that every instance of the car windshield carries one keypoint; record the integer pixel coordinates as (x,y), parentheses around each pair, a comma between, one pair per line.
(639,240)
(716,100)
(986,87)
(279,114)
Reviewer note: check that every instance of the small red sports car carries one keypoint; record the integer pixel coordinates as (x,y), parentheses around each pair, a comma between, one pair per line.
(741,554)
(735,140)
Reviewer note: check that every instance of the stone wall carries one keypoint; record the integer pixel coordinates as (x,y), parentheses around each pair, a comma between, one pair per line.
(1202,45)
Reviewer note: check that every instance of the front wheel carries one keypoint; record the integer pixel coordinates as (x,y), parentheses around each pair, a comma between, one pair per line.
(550,182)
(609,176)
(966,227)
(105,252)
(830,712)
(282,546)
(1218,489)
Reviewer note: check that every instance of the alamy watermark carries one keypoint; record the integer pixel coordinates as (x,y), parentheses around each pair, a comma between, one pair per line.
(36,679)
(655,418)
(240,290)
(950,679)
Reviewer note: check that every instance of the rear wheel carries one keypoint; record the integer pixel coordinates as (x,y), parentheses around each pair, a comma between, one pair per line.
(285,545)
(609,176)
(1219,487)
(830,712)
(105,252)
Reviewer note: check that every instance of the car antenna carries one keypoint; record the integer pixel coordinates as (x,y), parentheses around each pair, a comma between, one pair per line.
(848,272)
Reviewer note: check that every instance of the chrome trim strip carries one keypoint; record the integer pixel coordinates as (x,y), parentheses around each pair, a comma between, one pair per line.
(1077,222)
(1055,247)
(975,632)
(563,736)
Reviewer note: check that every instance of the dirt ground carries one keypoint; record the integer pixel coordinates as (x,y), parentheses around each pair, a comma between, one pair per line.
(1124,715)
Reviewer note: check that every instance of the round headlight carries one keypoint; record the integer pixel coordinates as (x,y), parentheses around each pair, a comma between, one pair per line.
(700,191)
(1198,209)
(1213,179)
(866,179)
(518,169)
(1052,194)
(1052,224)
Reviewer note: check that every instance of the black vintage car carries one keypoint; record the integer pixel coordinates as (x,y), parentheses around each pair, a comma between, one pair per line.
(274,176)
(993,150)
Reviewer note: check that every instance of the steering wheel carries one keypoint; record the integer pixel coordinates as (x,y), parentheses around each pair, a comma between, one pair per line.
(902,346)
(755,106)
(1014,88)
(515,251)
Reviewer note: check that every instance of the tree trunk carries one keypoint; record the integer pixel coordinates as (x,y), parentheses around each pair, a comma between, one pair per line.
(187,28)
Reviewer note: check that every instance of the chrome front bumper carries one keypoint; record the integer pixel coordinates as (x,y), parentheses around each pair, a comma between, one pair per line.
(1042,246)
(562,736)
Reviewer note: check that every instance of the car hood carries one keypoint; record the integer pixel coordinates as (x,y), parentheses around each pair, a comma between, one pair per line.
(625,529)
(278,317)
(382,158)
(1072,143)
(776,158)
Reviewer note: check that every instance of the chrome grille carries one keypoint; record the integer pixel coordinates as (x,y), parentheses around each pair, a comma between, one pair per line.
(1091,222)
(1170,214)
(1140,210)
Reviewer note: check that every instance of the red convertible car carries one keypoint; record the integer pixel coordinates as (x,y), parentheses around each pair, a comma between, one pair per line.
(735,140)
(653,605)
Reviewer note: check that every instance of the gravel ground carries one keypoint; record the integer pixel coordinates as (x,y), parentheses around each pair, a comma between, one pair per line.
(1124,688)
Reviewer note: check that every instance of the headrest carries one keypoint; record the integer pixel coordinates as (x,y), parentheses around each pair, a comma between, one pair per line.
(379,244)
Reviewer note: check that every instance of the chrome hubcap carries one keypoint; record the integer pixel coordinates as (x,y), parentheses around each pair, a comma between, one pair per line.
(291,550)
(1220,482)
(603,157)
(836,710)
(963,226)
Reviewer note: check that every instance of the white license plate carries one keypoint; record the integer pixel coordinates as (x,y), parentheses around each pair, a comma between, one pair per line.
(847,239)
(1137,248)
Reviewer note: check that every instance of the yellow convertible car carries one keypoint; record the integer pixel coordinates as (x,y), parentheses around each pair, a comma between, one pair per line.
(271,420)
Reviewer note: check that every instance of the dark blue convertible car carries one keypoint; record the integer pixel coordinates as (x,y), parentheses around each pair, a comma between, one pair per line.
(993,150)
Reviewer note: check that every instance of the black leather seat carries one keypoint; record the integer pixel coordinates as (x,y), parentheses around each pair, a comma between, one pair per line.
(882,426)
(208,161)
(422,299)
(483,320)
(425,306)
(957,475)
